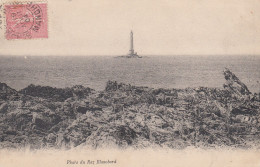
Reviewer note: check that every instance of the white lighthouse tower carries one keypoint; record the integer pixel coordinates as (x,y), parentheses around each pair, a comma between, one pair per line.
(132,53)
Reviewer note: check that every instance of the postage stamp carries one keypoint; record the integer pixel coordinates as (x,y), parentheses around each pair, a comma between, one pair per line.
(26,21)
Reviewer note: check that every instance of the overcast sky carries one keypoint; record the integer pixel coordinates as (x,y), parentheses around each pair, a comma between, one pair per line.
(161,27)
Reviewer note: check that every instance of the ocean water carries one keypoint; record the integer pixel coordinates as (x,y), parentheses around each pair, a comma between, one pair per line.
(152,71)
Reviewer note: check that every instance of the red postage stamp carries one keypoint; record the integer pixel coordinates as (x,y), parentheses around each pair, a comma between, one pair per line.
(26,21)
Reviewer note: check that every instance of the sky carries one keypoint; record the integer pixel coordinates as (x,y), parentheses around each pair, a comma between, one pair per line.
(161,27)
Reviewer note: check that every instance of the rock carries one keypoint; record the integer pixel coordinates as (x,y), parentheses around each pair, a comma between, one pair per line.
(56,94)
(246,119)
(117,108)
(125,116)
(6,92)
(43,121)
(234,85)
(120,136)
(51,138)
(111,86)
(81,92)
(81,109)
(40,121)
(47,92)
(124,133)
(3,108)
(244,110)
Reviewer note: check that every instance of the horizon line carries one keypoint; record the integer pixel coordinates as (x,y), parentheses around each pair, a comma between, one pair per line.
(146,55)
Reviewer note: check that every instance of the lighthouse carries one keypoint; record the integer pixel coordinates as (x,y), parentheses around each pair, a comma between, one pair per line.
(132,53)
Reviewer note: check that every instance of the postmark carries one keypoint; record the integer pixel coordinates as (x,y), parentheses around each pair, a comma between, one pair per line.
(26,21)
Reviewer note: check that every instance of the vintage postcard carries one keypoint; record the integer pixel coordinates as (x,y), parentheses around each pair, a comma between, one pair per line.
(130,83)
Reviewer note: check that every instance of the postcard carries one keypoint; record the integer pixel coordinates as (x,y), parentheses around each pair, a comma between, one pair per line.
(129,83)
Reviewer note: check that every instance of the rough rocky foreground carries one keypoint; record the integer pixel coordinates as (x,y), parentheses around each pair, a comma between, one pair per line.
(128,116)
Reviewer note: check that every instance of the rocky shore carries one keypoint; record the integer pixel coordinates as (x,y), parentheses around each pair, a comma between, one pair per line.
(125,116)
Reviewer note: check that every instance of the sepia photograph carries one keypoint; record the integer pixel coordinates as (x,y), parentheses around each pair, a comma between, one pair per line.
(123,83)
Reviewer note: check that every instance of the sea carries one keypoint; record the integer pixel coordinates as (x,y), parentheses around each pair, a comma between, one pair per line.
(151,71)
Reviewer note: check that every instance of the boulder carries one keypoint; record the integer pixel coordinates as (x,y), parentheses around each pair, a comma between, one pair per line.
(234,85)
(6,92)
